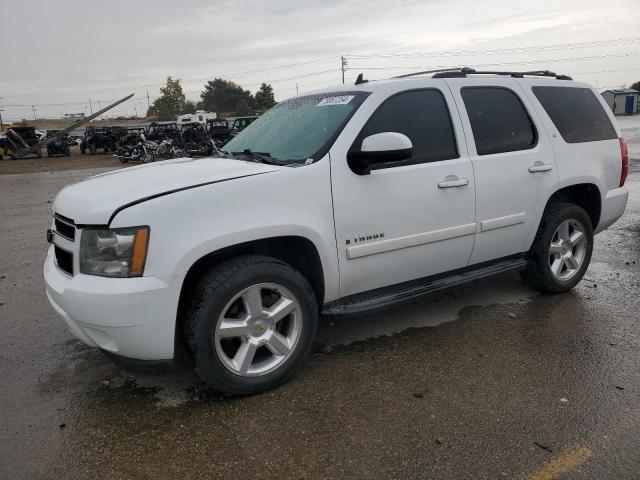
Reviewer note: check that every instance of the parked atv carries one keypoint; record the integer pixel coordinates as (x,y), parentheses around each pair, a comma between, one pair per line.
(95,138)
(59,146)
(159,131)
(219,131)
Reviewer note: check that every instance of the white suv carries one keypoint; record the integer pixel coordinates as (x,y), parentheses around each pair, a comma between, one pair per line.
(337,202)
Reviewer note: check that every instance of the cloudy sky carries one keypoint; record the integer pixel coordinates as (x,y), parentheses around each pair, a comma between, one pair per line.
(59,55)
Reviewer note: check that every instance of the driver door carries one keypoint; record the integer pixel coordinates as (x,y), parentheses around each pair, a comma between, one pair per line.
(406,219)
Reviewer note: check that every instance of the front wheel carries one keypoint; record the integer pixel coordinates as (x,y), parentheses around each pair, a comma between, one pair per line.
(561,251)
(148,157)
(250,324)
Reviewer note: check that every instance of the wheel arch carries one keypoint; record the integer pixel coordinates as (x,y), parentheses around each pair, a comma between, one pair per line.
(297,251)
(585,195)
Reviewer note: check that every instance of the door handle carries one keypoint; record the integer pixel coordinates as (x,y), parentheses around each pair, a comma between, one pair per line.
(540,167)
(453,181)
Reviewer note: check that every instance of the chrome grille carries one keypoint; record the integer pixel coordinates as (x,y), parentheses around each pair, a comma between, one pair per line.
(64,227)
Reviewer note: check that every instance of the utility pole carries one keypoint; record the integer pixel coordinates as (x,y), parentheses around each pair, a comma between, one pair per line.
(297,89)
(1,125)
(33,108)
(343,66)
(90,107)
(148,103)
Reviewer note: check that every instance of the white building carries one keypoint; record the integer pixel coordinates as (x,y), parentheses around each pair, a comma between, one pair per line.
(623,101)
(199,117)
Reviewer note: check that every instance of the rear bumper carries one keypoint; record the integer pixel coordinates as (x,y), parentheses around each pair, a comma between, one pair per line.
(130,317)
(613,207)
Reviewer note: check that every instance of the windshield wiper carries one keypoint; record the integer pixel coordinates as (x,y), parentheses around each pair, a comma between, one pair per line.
(262,157)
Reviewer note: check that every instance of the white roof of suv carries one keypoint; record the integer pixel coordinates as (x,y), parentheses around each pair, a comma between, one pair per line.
(462,72)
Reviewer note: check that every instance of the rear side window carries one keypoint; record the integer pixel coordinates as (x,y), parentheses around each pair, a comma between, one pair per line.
(421,115)
(498,119)
(576,113)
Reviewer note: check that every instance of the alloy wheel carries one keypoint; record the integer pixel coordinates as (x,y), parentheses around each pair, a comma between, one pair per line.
(567,250)
(258,329)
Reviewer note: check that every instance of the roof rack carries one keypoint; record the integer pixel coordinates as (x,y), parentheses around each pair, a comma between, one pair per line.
(462,72)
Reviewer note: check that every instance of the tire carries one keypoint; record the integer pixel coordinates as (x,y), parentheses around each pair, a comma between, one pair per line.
(106,149)
(571,258)
(222,291)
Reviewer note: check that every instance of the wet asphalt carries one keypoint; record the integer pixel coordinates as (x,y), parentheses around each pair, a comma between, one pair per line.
(491,380)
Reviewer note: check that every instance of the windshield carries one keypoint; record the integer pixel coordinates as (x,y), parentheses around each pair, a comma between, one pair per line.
(299,128)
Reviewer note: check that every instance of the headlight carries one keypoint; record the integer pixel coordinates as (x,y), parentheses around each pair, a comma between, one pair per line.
(117,252)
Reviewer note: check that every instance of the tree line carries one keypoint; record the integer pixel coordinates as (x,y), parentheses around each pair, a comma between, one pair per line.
(219,96)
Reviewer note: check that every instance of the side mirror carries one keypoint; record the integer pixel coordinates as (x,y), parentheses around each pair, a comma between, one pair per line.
(385,147)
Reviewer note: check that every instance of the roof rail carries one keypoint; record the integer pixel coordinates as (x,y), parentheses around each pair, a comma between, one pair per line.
(461,72)
(464,71)
(437,71)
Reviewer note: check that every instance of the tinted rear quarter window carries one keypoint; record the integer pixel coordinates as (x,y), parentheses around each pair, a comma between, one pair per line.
(498,119)
(421,115)
(576,113)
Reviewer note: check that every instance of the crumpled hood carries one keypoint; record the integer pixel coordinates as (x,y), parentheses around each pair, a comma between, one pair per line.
(94,200)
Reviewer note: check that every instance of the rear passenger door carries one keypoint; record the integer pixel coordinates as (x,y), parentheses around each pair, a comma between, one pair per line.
(513,162)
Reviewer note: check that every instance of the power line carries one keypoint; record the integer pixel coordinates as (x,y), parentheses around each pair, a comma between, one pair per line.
(190,80)
(524,62)
(514,50)
(502,51)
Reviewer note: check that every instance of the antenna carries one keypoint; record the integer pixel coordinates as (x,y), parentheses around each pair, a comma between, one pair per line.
(360,80)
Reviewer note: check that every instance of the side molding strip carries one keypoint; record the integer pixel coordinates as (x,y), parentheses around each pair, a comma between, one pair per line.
(502,222)
(387,245)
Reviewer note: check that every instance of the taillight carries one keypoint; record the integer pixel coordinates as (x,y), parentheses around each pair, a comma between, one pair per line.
(624,153)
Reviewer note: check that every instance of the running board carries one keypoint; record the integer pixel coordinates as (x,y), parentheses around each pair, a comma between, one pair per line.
(364,303)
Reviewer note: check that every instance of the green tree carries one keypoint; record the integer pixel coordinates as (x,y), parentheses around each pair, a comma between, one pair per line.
(264,97)
(188,107)
(636,86)
(243,107)
(171,101)
(222,96)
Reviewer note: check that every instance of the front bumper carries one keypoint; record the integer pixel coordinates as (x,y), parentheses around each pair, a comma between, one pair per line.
(613,207)
(130,317)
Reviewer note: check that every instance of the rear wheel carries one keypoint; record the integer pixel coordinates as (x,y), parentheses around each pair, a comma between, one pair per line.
(250,324)
(561,251)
